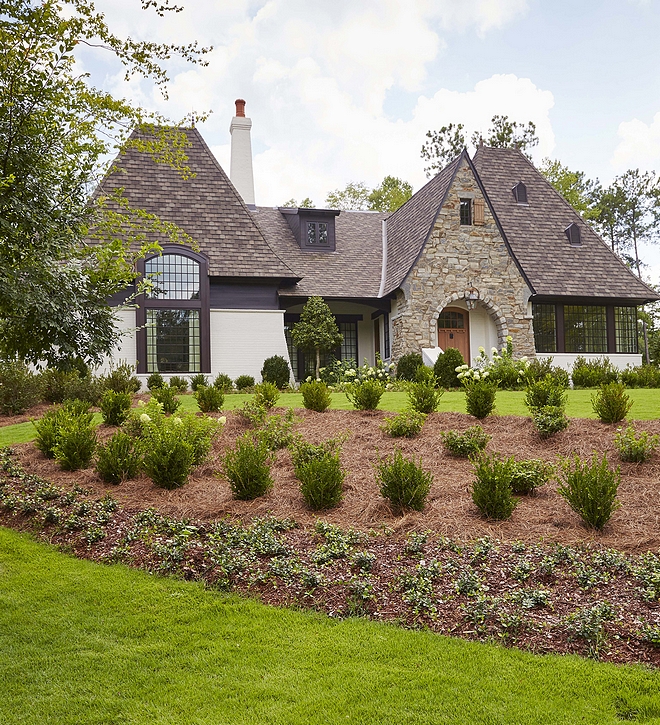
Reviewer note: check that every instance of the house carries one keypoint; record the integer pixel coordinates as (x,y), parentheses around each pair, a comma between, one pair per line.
(486,249)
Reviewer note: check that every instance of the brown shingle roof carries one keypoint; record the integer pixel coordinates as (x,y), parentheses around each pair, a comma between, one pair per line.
(353,270)
(536,236)
(207,207)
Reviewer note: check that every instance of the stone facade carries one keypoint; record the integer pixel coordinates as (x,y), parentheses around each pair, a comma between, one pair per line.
(455,259)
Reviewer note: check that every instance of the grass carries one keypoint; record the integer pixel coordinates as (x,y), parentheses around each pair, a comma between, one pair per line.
(84,643)
(646,406)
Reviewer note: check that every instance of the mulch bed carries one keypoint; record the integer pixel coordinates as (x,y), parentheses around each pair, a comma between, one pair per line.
(540,581)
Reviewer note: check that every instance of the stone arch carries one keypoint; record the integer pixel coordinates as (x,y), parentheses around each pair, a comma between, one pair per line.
(492,308)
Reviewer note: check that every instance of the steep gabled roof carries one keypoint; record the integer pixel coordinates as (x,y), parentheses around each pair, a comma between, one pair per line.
(352,270)
(411,225)
(207,207)
(536,234)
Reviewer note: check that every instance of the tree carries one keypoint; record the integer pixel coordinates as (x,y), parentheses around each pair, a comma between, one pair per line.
(389,195)
(444,145)
(583,194)
(55,131)
(355,196)
(306,203)
(316,331)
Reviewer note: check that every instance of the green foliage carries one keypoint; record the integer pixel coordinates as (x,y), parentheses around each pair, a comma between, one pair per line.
(47,428)
(611,403)
(404,425)
(491,490)
(365,394)
(253,412)
(479,397)
(634,447)
(247,468)
(276,431)
(538,369)
(167,398)
(198,381)
(223,382)
(407,366)
(423,396)
(321,481)
(179,384)
(115,407)
(142,416)
(317,330)
(642,376)
(530,474)
(316,395)
(549,419)
(243,382)
(545,392)
(389,195)
(590,489)
(209,400)
(20,389)
(464,445)
(403,482)
(276,370)
(62,385)
(579,191)
(121,379)
(168,456)
(592,373)
(587,624)
(154,381)
(266,395)
(198,431)
(302,452)
(445,367)
(119,459)
(75,441)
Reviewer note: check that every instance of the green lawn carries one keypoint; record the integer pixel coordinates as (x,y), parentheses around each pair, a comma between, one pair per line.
(84,643)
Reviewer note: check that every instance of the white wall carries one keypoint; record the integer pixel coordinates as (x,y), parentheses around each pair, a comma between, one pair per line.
(126,351)
(566,359)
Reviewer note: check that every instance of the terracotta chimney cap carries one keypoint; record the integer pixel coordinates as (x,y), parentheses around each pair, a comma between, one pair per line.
(240,107)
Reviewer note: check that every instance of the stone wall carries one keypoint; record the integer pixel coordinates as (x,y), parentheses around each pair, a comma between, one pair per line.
(456,258)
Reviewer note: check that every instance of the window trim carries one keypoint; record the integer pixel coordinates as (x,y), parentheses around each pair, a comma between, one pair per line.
(465,203)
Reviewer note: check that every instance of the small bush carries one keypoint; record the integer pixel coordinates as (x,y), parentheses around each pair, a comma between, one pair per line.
(480,398)
(634,448)
(529,475)
(424,397)
(590,489)
(119,459)
(549,419)
(507,373)
(407,365)
(445,367)
(243,382)
(611,403)
(154,381)
(491,490)
(138,418)
(643,376)
(539,369)
(47,428)
(254,413)
(179,384)
(365,395)
(403,482)
(464,445)
(20,389)
(121,380)
(223,382)
(266,394)
(302,451)
(115,407)
(316,395)
(545,392)
(198,381)
(276,370)
(276,432)
(76,441)
(404,425)
(59,386)
(321,481)
(209,400)
(247,468)
(168,456)
(198,431)
(167,398)
(594,373)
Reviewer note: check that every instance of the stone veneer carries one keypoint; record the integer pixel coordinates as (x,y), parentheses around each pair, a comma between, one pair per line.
(455,259)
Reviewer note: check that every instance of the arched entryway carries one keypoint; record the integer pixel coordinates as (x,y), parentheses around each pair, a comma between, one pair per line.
(454,330)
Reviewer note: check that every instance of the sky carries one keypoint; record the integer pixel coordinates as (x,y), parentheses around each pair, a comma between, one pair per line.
(345,90)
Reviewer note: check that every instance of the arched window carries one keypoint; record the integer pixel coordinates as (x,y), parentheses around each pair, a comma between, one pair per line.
(174,314)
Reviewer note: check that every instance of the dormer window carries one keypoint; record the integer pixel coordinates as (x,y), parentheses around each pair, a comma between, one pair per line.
(314,229)
(520,193)
(466,212)
(572,231)
(317,234)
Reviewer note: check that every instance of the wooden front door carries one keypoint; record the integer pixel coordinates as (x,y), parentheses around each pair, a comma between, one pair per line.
(454,330)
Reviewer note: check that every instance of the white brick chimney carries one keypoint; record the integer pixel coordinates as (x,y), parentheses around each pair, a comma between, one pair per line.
(240,170)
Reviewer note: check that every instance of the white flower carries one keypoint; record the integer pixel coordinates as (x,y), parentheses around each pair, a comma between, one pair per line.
(509,338)
(141,403)
(145,418)
(494,350)
(177,421)
(482,350)
(222,419)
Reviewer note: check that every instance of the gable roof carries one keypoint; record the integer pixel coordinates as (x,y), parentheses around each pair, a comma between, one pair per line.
(536,235)
(207,207)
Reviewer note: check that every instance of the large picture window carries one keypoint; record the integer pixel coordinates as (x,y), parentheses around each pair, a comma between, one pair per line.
(585,328)
(625,327)
(173,341)
(545,327)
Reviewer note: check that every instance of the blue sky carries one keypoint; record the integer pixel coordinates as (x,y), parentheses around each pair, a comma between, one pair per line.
(341,91)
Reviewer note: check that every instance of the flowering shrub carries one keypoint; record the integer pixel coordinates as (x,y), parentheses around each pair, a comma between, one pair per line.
(501,368)
(347,371)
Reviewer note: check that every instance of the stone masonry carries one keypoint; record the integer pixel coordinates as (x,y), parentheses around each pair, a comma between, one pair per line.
(457,258)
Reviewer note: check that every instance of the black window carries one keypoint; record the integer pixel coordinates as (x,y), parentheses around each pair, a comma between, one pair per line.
(466,212)
(293,351)
(585,328)
(625,328)
(451,320)
(348,349)
(520,193)
(572,231)
(317,234)
(386,336)
(545,327)
(304,363)
(173,341)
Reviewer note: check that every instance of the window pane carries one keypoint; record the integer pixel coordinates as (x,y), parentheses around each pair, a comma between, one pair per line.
(625,325)
(173,342)
(348,349)
(451,320)
(311,233)
(293,351)
(466,211)
(585,328)
(323,233)
(545,327)
(175,277)
(386,328)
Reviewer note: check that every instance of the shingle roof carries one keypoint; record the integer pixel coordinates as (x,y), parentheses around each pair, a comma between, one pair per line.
(410,225)
(536,236)
(352,270)
(207,207)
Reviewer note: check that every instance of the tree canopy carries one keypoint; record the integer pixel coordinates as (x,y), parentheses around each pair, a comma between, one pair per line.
(389,195)
(317,330)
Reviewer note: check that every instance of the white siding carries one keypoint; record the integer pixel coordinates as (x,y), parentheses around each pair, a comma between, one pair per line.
(566,359)
(126,351)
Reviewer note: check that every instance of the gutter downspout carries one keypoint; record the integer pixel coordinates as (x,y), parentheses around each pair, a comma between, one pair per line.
(383,272)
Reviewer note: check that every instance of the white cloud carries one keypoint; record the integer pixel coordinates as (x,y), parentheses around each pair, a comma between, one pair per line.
(639,145)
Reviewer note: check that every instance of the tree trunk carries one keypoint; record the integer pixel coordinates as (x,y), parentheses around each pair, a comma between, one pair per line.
(318,362)
(647,357)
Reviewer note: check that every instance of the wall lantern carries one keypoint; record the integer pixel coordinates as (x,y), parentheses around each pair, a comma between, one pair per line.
(471,297)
